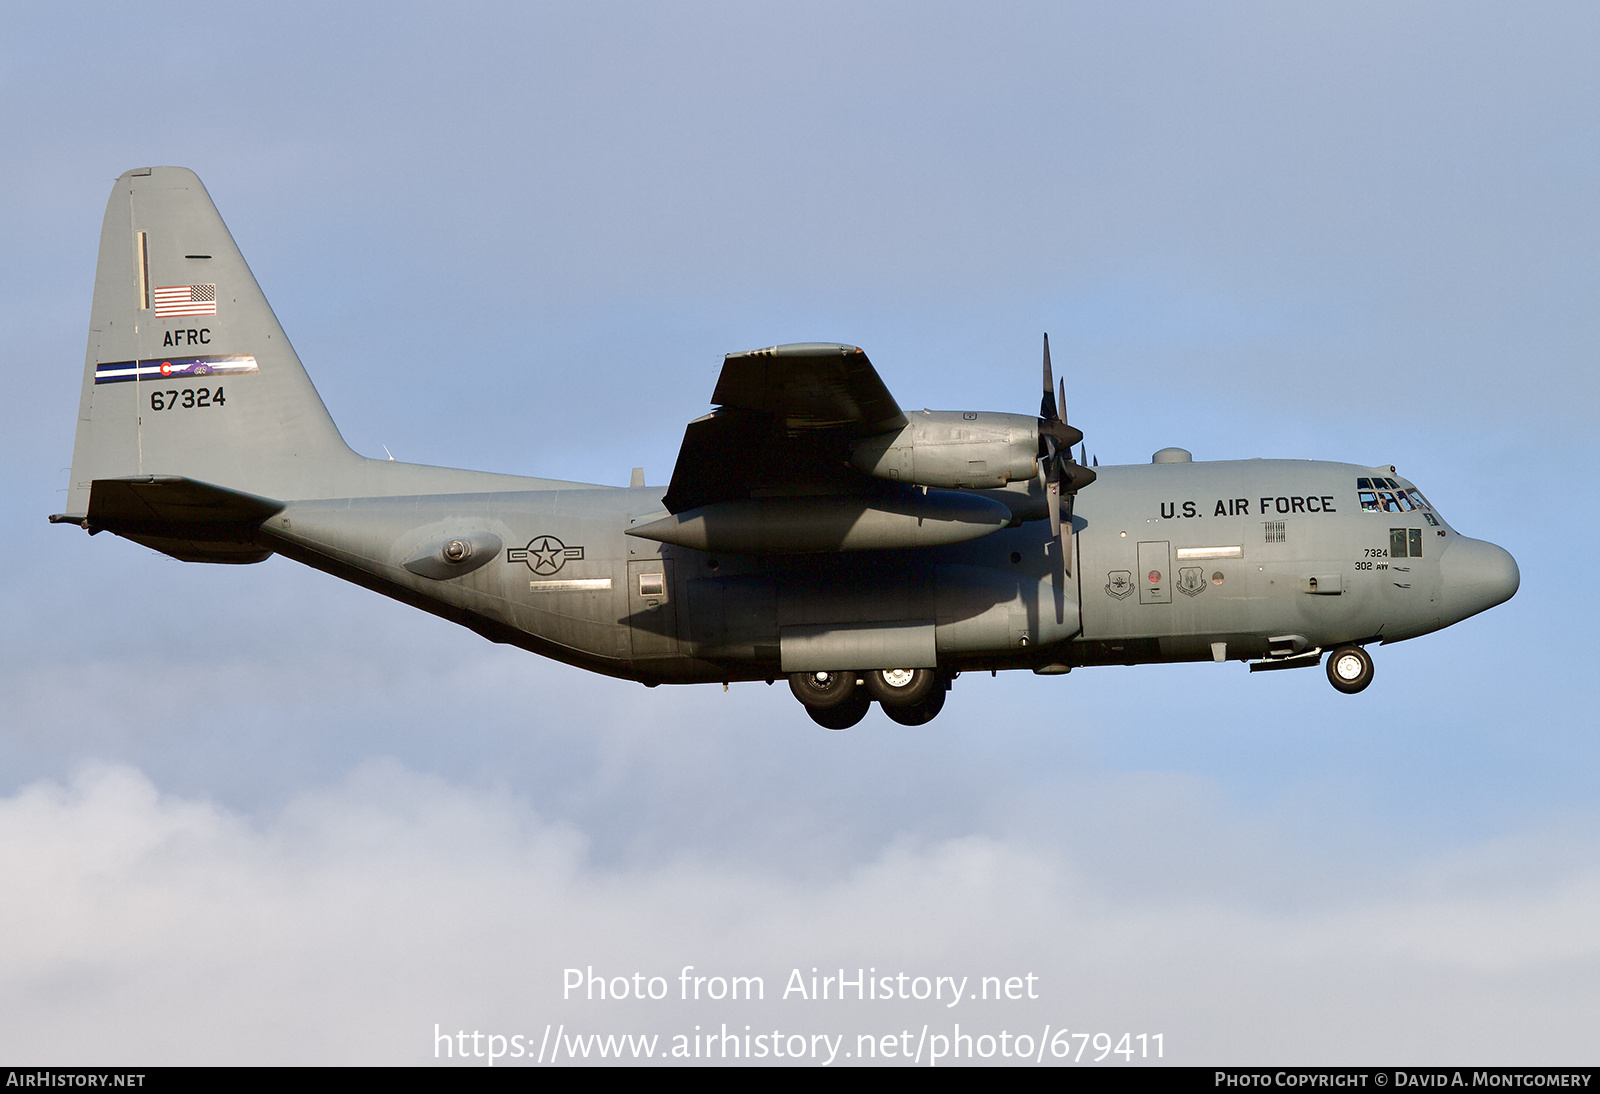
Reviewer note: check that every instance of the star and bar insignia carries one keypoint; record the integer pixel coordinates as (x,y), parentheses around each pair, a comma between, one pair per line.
(545,554)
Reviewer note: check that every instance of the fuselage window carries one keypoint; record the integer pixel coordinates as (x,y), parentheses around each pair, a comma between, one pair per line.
(1405,543)
(1369,501)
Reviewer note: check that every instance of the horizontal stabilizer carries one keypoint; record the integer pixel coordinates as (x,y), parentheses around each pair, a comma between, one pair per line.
(189,520)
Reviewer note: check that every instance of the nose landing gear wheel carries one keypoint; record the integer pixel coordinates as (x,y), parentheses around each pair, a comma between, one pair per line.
(1350,669)
(842,715)
(902,687)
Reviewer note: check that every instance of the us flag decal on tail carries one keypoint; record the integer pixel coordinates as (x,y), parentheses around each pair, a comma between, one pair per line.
(186,300)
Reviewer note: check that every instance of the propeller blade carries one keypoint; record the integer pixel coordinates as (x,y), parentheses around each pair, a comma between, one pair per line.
(1047,406)
(1057,472)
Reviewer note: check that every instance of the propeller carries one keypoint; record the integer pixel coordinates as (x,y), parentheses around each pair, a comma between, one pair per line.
(1061,474)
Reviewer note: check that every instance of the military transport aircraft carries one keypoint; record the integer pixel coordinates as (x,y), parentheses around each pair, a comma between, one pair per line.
(812,530)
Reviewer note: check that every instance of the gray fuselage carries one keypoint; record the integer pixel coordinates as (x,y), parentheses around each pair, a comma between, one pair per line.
(1175,561)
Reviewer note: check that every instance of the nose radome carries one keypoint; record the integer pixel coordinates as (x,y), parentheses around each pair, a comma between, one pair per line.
(1475,576)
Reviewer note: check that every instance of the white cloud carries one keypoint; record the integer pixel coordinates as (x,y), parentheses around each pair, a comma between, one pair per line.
(146,928)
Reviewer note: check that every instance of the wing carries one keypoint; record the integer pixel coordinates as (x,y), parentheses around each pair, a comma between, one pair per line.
(809,386)
(784,421)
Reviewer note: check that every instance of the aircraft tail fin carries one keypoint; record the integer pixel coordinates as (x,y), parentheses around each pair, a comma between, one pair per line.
(188,373)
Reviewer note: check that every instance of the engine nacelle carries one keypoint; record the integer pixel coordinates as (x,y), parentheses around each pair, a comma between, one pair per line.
(952,448)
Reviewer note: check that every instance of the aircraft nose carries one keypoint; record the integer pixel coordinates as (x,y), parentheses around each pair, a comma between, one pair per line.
(1475,576)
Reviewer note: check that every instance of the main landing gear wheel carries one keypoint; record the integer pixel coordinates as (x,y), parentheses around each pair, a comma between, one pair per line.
(1350,669)
(842,715)
(820,690)
(902,687)
(921,713)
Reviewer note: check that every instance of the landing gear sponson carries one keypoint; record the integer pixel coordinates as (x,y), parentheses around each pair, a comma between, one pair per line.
(838,700)
(914,697)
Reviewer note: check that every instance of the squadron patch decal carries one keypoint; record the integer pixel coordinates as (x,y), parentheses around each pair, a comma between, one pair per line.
(1191,580)
(1119,583)
(544,554)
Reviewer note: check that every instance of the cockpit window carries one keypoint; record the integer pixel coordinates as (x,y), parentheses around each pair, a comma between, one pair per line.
(1381,494)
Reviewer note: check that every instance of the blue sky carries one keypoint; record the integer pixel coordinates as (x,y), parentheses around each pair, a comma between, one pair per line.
(257,815)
